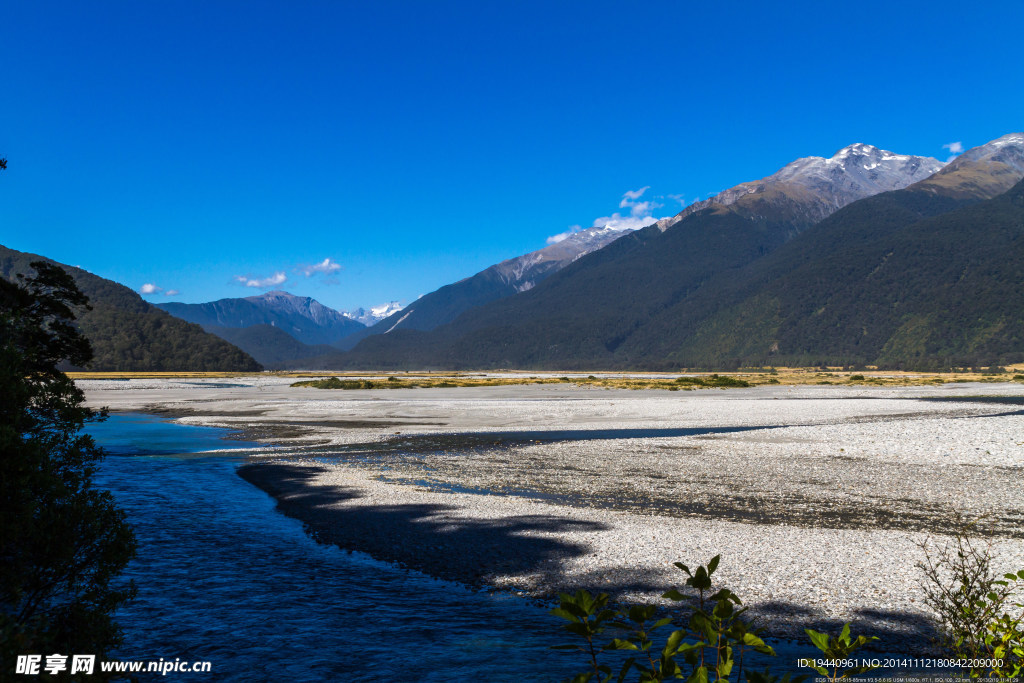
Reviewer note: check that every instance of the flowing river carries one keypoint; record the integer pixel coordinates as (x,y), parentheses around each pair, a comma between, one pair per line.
(223,577)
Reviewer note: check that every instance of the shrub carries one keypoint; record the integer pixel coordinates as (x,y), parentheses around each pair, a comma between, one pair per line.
(974,609)
(710,646)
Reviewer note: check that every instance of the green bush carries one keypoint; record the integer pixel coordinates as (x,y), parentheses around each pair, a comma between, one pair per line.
(709,647)
(974,609)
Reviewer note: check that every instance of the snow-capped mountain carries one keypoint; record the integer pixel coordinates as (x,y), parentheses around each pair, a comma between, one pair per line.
(803,192)
(983,171)
(375,314)
(818,187)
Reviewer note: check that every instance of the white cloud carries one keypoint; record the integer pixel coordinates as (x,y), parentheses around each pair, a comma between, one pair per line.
(640,215)
(555,239)
(631,195)
(261,283)
(149,288)
(325,266)
(619,222)
(172,292)
(955,149)
(636,208)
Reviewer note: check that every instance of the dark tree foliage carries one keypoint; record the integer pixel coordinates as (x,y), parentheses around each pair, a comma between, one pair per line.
(129,334)
(62,541)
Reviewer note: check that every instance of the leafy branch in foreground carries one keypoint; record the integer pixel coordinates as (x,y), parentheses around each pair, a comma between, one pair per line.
(709,647)
(837,649)
(975,613)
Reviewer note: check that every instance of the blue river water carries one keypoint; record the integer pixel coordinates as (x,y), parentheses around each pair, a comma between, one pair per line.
(224,577)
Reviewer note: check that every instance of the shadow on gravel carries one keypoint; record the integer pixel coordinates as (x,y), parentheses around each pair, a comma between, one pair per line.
(896,631)
(422,537)
(425,538)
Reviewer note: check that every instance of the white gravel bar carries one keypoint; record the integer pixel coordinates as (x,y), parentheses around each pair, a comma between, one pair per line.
(817,497)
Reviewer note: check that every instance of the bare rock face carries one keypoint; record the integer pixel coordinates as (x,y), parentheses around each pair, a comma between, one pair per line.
(523,272)
(812,188)
(981,172)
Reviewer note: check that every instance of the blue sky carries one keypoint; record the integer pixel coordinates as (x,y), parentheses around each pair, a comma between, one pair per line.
(190,144)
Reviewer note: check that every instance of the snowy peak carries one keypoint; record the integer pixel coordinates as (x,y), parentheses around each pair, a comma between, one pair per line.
(811,188)
(375,314)
(1008,150)
(982,172)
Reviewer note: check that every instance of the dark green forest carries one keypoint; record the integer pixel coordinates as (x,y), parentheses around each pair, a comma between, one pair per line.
(128,334)
(271,346)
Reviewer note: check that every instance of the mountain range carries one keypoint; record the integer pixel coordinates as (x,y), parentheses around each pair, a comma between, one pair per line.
(865,257)
(303,318)
(686,292)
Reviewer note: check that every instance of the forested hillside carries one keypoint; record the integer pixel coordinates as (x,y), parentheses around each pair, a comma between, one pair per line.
(129,334)
(939,291)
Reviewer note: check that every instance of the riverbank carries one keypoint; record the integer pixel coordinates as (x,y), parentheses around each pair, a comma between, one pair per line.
(815,496)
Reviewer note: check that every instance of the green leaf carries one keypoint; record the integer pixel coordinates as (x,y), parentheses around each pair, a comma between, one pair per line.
(683,567)
(751,639)
(674,595)
(564,614)
(620,644)
(672,643)
(713,564)
(700,675)
(820,640)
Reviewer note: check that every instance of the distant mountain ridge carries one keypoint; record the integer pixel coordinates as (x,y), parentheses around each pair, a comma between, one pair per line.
(129,334)
(512,276)
(374,314)
(812,186)
(654,298)
(302,317)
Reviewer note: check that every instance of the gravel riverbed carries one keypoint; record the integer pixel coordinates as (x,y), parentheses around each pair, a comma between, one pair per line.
(817,497)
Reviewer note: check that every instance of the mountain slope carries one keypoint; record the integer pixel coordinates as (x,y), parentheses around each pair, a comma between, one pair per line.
(271,346)
(501,280)
(583,314)
(129,334)
(821,186)
(918,291)
(304,318)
